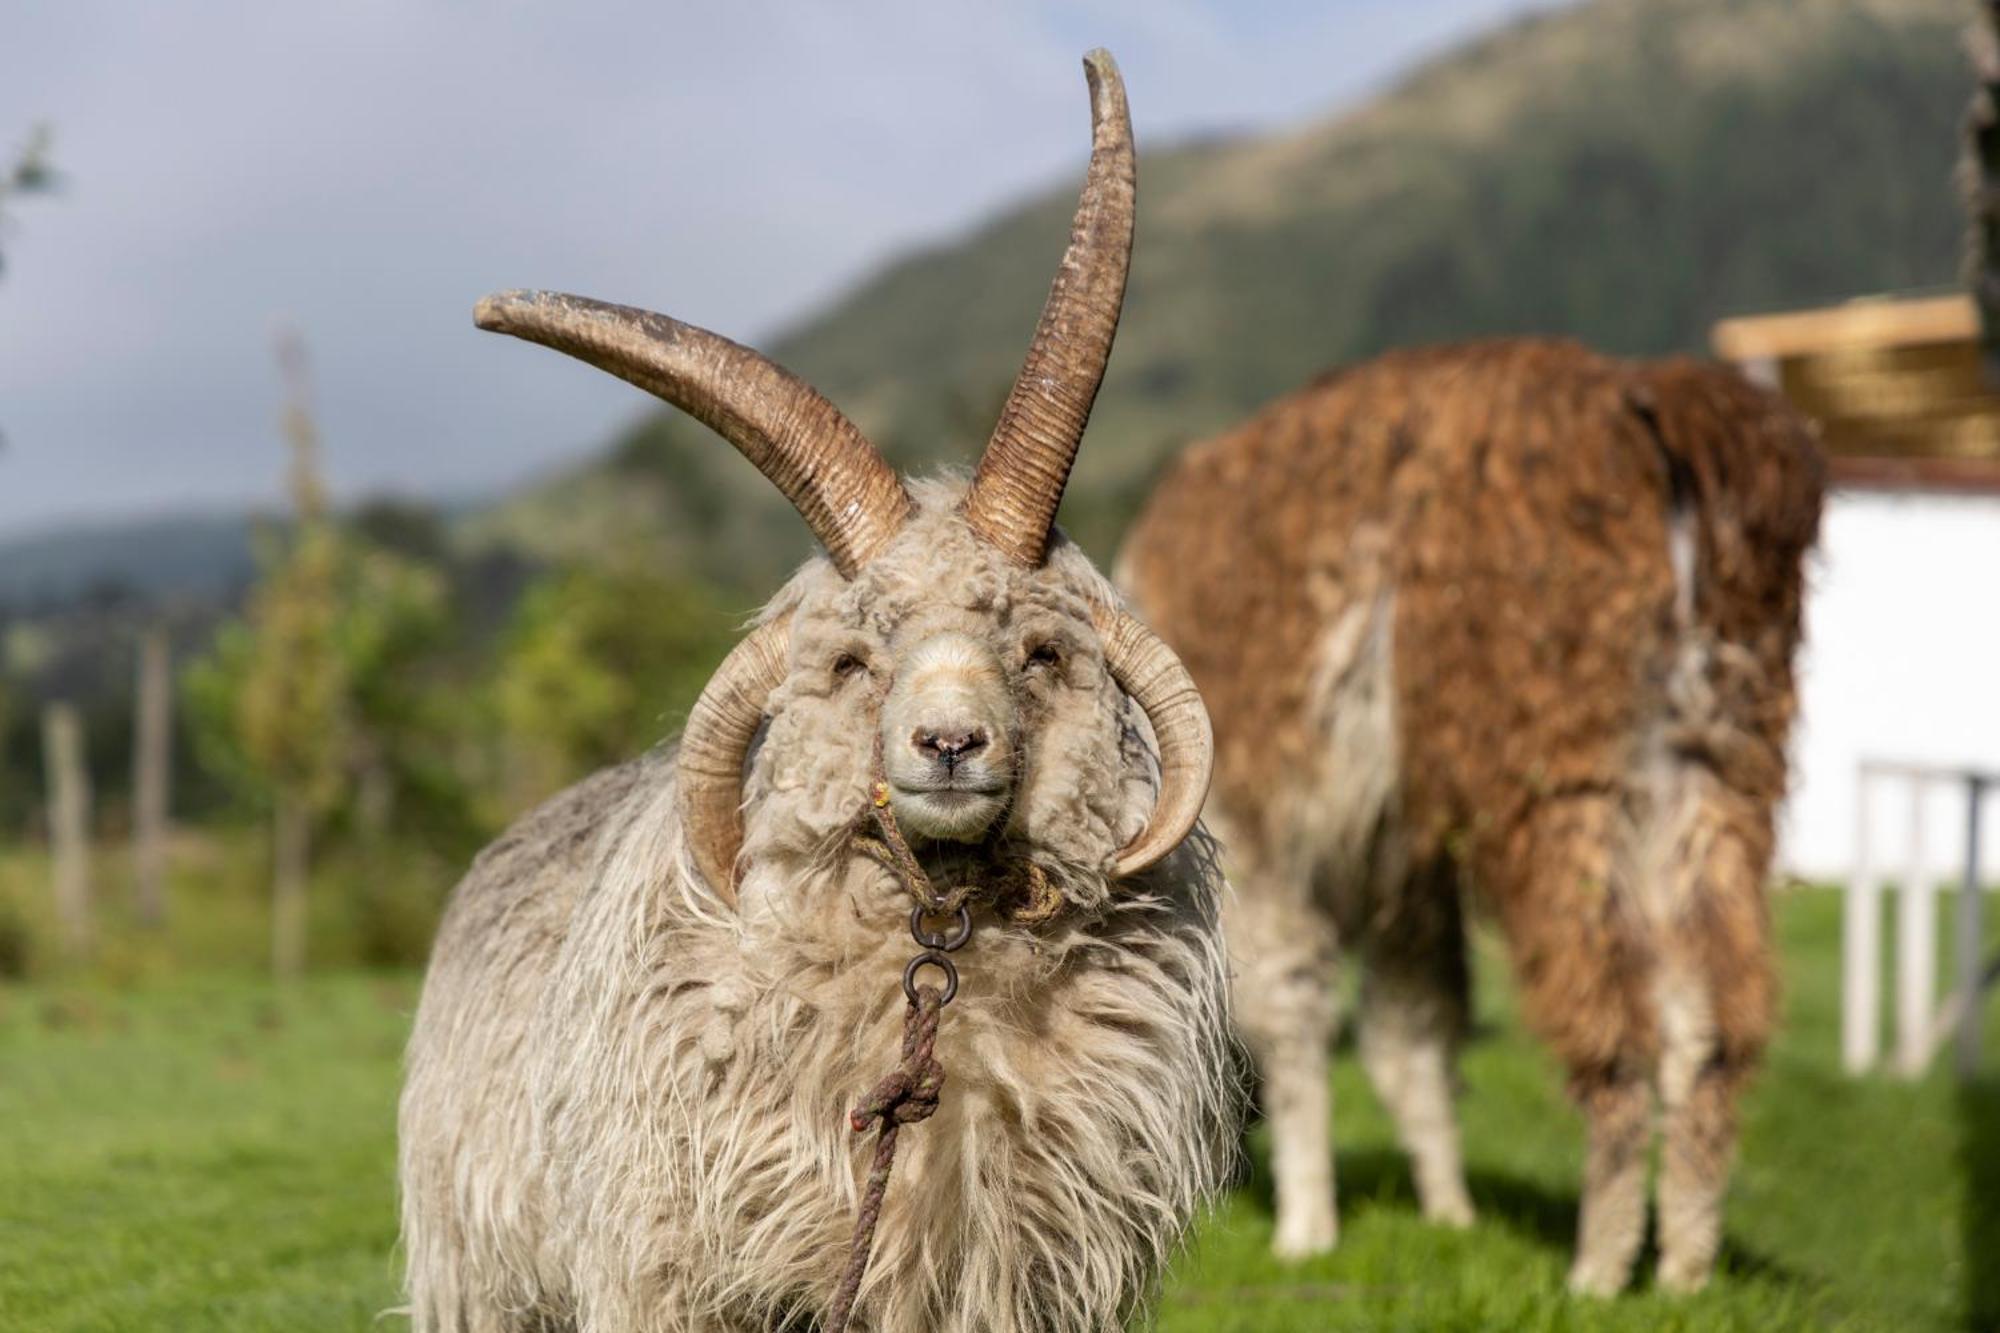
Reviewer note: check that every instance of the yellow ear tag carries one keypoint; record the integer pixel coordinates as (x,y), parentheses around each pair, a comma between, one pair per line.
(881,795)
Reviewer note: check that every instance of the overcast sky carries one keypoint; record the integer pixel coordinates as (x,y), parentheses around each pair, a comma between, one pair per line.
(364,171)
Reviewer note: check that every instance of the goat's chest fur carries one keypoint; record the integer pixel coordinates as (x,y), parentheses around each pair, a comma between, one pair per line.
(672,1136)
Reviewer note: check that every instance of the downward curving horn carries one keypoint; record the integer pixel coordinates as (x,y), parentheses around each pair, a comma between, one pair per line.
(847,495)
(1147,669)
(1014,495)
(719,730)
(726,717)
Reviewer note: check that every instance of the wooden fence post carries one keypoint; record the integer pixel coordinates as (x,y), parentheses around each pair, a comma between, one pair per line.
(1916,948)
(69,823)
(1861,948)
(1971,969)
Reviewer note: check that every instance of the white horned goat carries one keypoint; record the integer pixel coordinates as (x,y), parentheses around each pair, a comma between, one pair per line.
(1517,618)
(654,1000)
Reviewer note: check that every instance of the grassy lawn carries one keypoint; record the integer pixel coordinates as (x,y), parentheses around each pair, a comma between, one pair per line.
(202,1152)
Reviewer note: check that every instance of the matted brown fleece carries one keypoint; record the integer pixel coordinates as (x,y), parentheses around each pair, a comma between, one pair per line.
(1516,503)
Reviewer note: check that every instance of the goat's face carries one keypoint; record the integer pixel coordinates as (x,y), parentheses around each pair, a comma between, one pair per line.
(981,685)
(950,639)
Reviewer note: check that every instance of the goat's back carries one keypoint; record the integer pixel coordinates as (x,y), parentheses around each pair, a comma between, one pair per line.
(1513,509)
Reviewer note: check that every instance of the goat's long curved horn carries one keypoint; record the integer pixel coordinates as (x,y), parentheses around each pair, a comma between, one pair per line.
(1147,669)
(1015,493)
(833,476)
(717,737)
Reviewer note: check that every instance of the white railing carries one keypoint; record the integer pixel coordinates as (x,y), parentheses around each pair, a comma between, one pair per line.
(1922,1026)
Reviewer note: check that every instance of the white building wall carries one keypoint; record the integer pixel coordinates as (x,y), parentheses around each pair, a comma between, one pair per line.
(1901,662)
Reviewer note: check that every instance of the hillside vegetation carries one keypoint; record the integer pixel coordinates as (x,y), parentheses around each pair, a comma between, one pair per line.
(1624,171)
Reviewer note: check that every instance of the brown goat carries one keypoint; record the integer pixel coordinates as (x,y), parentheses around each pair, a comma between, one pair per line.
(1517,617)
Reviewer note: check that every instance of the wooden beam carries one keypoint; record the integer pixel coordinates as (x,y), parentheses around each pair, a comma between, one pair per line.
(1954,476)
(1870,322)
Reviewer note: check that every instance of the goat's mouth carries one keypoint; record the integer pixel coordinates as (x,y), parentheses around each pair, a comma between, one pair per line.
(958,809)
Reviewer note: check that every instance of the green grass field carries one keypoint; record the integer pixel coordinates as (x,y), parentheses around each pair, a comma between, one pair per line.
(205,1153)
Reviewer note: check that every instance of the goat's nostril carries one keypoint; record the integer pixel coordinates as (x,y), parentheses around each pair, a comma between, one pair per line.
(948,747)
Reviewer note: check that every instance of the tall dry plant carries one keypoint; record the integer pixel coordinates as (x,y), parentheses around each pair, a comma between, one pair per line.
(291,710)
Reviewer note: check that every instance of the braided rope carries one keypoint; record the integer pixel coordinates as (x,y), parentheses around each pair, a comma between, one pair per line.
(904,1097)
(909,1093)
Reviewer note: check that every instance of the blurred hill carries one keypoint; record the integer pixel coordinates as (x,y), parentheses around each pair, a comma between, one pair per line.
(199,557)
(1623,171)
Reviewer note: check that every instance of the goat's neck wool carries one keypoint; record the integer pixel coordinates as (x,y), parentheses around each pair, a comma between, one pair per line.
(1087,1113)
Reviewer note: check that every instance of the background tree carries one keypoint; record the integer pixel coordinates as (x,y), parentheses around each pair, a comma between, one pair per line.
(598,665)
(31,173)
(337,705)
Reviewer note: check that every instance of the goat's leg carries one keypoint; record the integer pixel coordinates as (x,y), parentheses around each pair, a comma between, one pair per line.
(1699,1145)
(1716,994)
(1612,1220)
(1583,958)
(1284,964)
(1413,1010)
(443,1302)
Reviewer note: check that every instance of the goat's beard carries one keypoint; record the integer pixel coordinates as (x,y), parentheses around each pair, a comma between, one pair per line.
(805,822)
(998,859)
(950,815)
(803,1019)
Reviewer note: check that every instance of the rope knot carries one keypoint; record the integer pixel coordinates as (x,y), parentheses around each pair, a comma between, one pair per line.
(910,1093)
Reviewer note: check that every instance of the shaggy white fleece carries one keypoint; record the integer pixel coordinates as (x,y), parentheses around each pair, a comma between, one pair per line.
(626,1109)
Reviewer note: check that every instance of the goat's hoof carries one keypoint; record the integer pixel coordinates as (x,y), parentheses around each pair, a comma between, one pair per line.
(1599,1281)
(1683,1277)
(1452,1214)
(1304,1237)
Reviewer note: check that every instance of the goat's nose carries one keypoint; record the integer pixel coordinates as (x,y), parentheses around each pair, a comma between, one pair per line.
(949,745)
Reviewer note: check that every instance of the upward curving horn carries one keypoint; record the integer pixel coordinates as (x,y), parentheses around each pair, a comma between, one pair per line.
(1147,669)
(848,496)
(1014,495)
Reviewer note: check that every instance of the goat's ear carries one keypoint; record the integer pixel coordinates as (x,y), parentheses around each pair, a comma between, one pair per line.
(720,728)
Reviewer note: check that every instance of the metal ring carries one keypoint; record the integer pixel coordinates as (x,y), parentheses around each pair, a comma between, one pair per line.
(936,939)
(942,964)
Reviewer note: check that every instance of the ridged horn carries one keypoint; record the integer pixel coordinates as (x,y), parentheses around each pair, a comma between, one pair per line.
(719,730)
(848,496)
(1019,484)
(1146,669)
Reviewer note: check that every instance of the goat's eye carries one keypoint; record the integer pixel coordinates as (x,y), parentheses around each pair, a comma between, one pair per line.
(1045,655)
(846,665)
